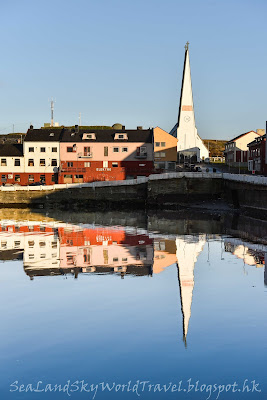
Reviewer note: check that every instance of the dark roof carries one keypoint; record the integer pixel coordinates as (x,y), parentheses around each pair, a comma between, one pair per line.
(136,135)
(242,134)
(257,140)
(9,150)
(64,134)
(44,135)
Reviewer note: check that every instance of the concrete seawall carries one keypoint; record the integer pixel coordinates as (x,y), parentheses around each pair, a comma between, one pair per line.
(165,191)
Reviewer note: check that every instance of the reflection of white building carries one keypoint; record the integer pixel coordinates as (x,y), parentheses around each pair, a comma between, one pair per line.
(250,253)
(188,249)
(41,251)
(37,241)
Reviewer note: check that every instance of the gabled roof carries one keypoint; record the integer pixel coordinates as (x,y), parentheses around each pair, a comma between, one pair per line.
(11,150)
(145,135)
(44,135)
(243,134)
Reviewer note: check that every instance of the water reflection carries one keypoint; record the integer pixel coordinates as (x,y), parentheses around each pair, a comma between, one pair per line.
(50,248)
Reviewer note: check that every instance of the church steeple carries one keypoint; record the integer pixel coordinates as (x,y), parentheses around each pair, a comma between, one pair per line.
(189,143)
(186,116)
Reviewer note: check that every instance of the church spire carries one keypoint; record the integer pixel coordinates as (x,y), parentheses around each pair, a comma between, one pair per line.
(186,116)
(189,143)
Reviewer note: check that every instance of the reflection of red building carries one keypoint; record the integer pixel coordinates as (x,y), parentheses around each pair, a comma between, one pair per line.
(54,249)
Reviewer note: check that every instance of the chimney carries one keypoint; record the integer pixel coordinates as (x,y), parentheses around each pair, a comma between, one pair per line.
(76,128)
(31,126)
(139,128)
(123,127)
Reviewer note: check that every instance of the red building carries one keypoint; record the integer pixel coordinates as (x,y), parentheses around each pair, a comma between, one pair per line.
(257,155)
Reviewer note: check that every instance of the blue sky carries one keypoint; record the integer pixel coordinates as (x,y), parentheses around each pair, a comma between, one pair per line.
(122,61)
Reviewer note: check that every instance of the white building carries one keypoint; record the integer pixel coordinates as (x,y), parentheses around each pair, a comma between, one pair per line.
(42,154)
(190,145)
(11,163)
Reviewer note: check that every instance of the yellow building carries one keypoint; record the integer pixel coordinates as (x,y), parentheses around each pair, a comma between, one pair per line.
(165,150)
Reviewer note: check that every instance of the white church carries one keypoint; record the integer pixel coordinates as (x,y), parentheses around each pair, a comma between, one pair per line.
(189,146)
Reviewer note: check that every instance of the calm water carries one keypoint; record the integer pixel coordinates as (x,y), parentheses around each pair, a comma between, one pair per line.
(120,304)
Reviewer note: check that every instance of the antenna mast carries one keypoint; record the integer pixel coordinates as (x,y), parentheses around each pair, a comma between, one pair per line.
(80,119)
(52,102)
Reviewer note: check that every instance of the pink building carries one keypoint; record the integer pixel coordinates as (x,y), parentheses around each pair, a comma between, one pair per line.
(92,155)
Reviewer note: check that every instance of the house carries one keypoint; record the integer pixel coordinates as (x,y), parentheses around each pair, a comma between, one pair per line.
(88,155)
(41,155)
(236,150)
(257,155)
(72,155)
(11,163)
(165,150)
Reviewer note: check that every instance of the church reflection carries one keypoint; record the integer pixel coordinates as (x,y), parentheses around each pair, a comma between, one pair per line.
(52,248)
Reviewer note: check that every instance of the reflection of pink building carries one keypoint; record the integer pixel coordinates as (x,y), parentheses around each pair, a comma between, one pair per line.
(104,250)
(87,155)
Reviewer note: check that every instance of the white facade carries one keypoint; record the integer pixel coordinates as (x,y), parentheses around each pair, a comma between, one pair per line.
(41,157)
(14,164)
(185,130)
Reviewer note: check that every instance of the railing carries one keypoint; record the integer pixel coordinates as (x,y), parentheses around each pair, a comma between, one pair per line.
(87,155)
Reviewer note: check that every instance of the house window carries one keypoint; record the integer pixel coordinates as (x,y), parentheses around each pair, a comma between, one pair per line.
(3,178)
(162,154)
(87,164)
(114,164)
(54,162)
(163,144)
(70,164)
(31,149)
(124,259)
(17,178)
(31,178)
(42,149)
(157,144)
(54,149)
(115,259)
(105,164)
(30,162)
(69,149)
(115,149)
(17,162)
(42,178)
(141,151)
(86,151)
(121,136)
(53,179)
(31,244)
(125,149)
(42,162)
(78,176)
(106,151)
(3,162)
